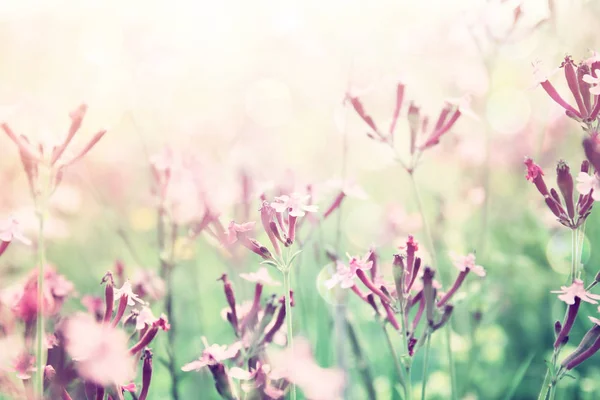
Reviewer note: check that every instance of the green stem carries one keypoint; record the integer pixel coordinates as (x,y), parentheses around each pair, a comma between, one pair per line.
(573,272)
(397,366)
(288,307)
(361,362)
(447,331)
(426,229)
(552,392)
(545,386)
(579,254)
(39,382)
(425,365)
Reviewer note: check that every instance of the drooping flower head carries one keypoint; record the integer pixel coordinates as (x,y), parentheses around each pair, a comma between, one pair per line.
(212,355)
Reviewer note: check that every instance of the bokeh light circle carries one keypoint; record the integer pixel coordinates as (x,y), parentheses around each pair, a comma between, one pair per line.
(335,295)
(558,251)
(508,110)
(269,102)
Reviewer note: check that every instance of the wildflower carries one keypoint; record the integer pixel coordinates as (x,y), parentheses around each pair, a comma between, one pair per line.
(295,204)
(145,318)
(261,276)
(146,374)
(212,355)
(575,214)
(126,291)
(100,351)
(56,290)
(467,263)
(594,81)
(235,231)
(9,231)
(589,345)
(587,183)
(576,290)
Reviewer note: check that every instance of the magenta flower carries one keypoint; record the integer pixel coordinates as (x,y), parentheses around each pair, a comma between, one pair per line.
(261,276)
(568,294)
(100,351)
(467,263)
(213,355)
(295,204)
(587,183)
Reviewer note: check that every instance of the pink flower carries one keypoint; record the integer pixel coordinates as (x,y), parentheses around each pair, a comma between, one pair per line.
(234,230)
(345,274)
(24,365)
(9,231)
(145,318)
(298,366)
(533,170)
(127,291)
(593,81)
(212,355)
(296,204)
(463,104)
(467,262)
(568,294)
(261,276)
(100,351)
(587,183)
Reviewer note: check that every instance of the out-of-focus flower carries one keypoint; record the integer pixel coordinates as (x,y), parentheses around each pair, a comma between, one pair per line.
(235,230)
(147,284)
(24,365)
(295,204)
(212,355)
(56,289)
(100,351)
(261,276)
(94,305)
(144,318)
(345,274)
(10,230)
(299,367)
(464,263)
(577,289)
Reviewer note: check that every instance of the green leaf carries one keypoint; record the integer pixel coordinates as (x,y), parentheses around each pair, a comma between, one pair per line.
(519,375)
(293,257)
(270,262)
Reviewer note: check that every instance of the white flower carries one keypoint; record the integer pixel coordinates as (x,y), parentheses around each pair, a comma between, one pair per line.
(295,204)
(595,82)
(10,230)
(127,290)
(212,355)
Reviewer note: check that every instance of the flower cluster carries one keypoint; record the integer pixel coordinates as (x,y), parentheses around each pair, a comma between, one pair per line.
(413,289)
(568,212)
(583,82)
(258,325)
(419,125)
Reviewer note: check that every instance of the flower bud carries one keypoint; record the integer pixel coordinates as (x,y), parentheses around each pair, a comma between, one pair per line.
(564,179)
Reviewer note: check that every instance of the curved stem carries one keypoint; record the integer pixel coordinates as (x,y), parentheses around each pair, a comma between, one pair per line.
(397,365)
(425,365)
(426,229)
(288,306)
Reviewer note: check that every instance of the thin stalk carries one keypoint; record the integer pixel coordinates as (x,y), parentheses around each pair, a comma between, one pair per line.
(403,333)
(425,365)
(426,229)
(450,361)
(397,366)
(40,333)
(552,392)
(288,307)
(545,386)
(579,254)
(573,272)
(429,237)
